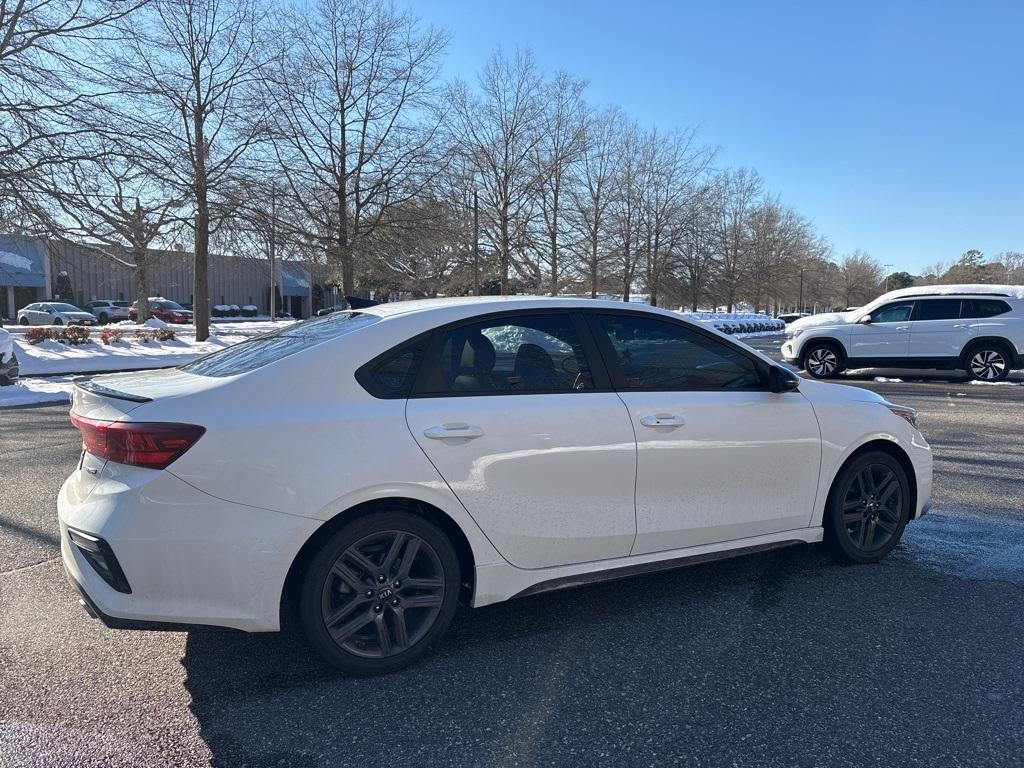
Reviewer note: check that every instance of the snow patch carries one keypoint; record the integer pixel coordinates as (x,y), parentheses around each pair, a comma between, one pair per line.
(155,322)
(1014,291)
(998,383)
(35,391)
(891,381)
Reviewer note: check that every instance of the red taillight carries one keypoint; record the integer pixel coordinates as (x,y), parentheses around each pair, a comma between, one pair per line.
(142,444)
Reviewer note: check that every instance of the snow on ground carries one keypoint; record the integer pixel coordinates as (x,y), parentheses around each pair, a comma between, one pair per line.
(998,383)
(34,391)
(52,357)
(890,381)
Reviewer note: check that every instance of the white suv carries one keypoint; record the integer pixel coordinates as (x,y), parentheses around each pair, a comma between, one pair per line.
(976,328)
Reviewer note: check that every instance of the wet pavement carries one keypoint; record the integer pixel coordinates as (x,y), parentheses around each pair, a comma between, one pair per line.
(785,658)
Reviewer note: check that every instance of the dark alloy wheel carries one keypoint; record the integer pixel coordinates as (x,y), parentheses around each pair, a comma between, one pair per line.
(868,507)
(823,361)
(379,592)
(987,363)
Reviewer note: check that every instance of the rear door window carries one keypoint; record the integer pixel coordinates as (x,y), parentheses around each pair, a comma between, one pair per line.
(255,353)
(509,354)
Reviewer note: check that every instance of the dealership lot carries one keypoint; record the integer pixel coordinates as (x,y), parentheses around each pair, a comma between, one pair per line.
(784,658)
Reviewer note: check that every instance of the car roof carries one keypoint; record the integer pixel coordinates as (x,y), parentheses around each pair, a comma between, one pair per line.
(469,306)
(973,289)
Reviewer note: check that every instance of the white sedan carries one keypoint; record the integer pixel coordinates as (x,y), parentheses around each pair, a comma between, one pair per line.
(54,313)
(479,449)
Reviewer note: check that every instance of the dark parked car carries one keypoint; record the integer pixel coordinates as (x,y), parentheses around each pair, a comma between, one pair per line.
(163,309)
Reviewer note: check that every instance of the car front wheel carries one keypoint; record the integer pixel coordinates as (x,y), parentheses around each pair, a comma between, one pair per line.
(823,360)
(58,321)
(868,508)
(987,362)
(379,592)
(23,321)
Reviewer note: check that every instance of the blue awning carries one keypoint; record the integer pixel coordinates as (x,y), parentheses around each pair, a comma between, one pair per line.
(294,279)
(21,262)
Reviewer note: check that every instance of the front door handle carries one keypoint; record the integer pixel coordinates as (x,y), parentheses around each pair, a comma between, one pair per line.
(663,420)
(453,431)
(961,325)
(902,327)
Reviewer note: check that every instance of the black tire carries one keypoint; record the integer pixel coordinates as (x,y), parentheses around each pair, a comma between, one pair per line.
(370,623)
(868,508)
(104,318)
(58,321)
(987,361)
(23,321)
(823,360)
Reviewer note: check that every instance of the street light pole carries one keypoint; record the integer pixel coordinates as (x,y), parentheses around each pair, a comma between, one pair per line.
(886,267)
(801,309)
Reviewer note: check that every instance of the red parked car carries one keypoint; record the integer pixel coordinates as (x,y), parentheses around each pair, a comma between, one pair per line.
(163,309)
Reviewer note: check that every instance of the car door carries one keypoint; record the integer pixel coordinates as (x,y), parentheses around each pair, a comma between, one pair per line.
(516,414)
(937,329)
(883,333)
(719,456)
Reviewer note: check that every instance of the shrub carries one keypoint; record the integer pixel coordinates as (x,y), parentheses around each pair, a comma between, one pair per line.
(110,335)
(142,336)
(163,334)
(74,335)
(36,335)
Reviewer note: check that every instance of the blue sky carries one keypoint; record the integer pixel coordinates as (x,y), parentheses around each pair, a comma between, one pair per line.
(898,127)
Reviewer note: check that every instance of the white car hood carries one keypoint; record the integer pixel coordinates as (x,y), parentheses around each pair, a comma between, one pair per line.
(825,318)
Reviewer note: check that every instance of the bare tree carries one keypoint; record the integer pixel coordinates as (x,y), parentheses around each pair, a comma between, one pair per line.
(45,61)
(187,70)
(592,193)
(673,163)
(497,132)
(560,147)
(352,121)
(109,205)
(859,279)
(735,194)
(627,205)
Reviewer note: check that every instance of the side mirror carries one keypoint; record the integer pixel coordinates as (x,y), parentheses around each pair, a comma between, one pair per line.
(782,380)
(866,320)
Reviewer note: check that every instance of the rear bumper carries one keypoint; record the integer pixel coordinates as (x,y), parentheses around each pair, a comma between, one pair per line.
(189,558)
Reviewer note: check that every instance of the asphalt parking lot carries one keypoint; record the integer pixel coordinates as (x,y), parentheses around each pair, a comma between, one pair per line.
(784,658)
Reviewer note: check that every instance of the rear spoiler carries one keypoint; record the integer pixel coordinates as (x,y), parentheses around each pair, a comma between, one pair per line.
(87,384)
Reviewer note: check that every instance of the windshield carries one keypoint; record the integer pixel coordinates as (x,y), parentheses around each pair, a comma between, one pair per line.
(65,308)
(263,350)
(170,305)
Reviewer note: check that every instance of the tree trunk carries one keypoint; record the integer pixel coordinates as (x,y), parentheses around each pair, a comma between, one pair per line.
(201,286)
(141,287)
(504,250)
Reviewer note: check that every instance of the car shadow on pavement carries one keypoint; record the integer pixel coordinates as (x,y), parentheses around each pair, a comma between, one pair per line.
(741,662)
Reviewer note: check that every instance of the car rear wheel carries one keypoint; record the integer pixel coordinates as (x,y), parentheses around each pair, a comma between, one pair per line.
(987,362)
(868,508)
(23,321)
(823,360)
(58,321)
(379,592)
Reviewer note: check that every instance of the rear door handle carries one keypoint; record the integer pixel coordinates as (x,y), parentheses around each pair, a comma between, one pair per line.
(902,327)
(663,420)
(453,431)
(961,325)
